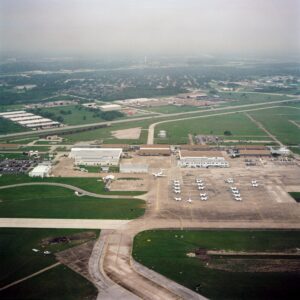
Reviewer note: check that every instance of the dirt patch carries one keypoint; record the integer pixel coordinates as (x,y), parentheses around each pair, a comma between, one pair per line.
(255,265)
(74,238)
(129,134)
(77,258)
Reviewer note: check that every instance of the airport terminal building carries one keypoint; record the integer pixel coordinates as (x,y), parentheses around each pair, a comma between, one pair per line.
(96,156)
(201,159)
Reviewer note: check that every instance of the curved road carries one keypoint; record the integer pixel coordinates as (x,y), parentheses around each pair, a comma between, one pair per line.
(70,187)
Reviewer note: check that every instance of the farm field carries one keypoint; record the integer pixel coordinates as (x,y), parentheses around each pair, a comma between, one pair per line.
(238,124)
(48,285)
(166,252)
(58,202)
(94,185)
(277,121)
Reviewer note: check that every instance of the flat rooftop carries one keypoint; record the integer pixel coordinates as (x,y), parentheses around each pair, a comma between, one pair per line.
(187,153)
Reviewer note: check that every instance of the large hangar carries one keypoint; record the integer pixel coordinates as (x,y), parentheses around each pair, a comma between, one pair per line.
(201,159)
(96,156)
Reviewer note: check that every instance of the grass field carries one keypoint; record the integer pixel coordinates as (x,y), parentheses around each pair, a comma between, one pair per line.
(250,98)
(59,202)
(94,185)
(170,109)
(7,126)
(238,124)
(277,121)
(17,260)
(296,196)
(165,252)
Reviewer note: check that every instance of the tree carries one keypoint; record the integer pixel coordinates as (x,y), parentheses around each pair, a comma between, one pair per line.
(227,132)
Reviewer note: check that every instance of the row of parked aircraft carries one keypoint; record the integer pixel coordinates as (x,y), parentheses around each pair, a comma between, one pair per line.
(201,187)
(254,183)
(236,193)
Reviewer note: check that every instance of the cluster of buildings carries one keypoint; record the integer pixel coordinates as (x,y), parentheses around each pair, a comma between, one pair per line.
(105,107)
(29,120)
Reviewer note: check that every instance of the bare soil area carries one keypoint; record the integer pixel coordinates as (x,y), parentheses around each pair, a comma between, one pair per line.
(129,134)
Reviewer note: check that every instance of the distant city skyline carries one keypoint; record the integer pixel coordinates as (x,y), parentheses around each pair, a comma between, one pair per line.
(139,27)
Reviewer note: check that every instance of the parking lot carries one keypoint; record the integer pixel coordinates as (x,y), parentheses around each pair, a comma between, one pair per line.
(16,166)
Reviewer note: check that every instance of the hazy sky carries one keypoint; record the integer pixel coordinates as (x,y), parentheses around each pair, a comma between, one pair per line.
(150,27)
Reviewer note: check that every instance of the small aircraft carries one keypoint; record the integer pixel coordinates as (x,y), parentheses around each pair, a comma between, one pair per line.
(200,183)
(176,183)
(233,188)
(199,180)
(203,195)
(235,192)
(177,191)
(204,198)
(229,180)
(189,200)
(200,188)
(237,195)
(159,174)
(177,198)
(255,184)
(35,250)
(238,199)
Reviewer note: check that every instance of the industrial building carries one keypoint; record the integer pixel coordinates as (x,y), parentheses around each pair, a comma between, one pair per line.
(41,170)
(110,107)
(96,156)
(256,153)
(155,150)
(29,120)
(201,159)
(133,168)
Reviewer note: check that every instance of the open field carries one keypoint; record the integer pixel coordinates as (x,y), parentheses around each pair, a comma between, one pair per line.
(94,185)
(18,260)
(296,196)
(250,98)
(276,120)
(7,126)
(239,126)
(170,109)
(57,202)
(73,114)
(166,252)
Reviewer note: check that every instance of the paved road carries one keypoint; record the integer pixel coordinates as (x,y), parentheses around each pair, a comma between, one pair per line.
(70,187)
(65,128)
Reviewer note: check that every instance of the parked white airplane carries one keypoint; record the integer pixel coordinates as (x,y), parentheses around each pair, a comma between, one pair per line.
(177,198)
(199,180)
(203,198)
(189,200)
(159,174)
(238,199)
(229,180)
(177,191)
(200,188)
(254,184)
(235,192)
(203,195)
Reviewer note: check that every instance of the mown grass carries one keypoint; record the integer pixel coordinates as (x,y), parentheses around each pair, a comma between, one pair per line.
(165,252)
(238,124)
(17,260)
(58,202)
(94,185)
